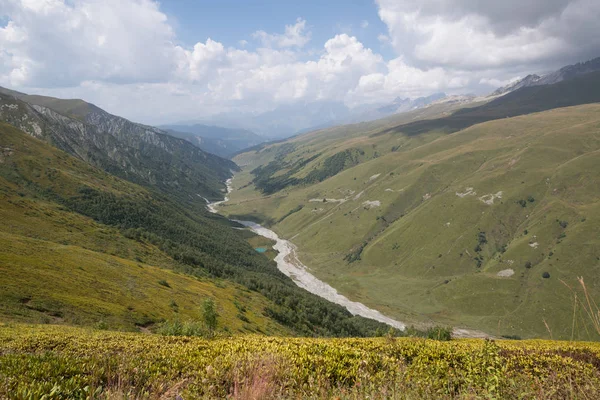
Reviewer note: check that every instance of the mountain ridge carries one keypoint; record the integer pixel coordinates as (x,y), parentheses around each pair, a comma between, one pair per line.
(134,151)
(223,142)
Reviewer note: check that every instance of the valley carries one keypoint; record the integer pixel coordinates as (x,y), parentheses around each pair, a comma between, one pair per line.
(273,200)
(119,249)
(438,228)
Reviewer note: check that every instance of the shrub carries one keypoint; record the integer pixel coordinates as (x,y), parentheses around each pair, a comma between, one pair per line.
(102,325)
(164,283)
(546,275)
(528,264)
(512,337)
(178,328)
(482,239)
(530,199)
(522,203)
(439,333)
(209,314)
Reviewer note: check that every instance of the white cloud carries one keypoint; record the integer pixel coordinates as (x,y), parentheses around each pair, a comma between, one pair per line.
(294,36)
(364,24)
(400,79)
(124,55)
(493,82)
(57,43)
(477,35)
(384,39)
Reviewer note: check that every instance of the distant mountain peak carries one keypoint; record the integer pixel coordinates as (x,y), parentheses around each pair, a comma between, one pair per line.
(529,80)
(565,73)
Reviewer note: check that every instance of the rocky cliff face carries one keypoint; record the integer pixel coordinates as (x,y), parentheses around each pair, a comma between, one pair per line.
(139,153)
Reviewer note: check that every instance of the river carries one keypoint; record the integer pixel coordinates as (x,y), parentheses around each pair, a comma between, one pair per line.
(288,262)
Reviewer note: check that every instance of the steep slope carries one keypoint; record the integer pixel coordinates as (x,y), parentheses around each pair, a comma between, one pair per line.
(458,229)
(570,72)
(563,74)
(583,89)
(223,142)
(62,267)
(138,153)
(82,246)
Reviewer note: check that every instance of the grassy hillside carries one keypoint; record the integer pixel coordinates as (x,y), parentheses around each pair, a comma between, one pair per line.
(62,267)
(66,362)
(421,226)
(82,246)
(141,154)
(74,108)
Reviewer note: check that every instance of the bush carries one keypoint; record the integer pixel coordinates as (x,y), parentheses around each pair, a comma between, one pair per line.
(512,337)
(178,328)
(209,314)
(164,283)
(528,264)
(439,333)
(546,275)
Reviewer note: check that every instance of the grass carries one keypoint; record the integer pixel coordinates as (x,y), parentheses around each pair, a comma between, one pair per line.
(67,362)
(418,260)
(57,266)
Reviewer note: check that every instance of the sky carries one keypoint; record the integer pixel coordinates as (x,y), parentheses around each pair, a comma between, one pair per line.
(159,62)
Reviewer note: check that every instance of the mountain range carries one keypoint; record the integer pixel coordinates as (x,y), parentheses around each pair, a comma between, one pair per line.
(565,73)
(292,119)
(223,142)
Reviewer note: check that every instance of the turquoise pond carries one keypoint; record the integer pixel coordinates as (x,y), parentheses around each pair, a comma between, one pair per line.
(261,249)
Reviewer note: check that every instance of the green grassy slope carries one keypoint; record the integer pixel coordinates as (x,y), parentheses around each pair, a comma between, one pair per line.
(414,236)
(61,267)
(74,108)
(83,246)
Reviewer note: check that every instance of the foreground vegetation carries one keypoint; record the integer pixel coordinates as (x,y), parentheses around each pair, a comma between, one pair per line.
(66,362)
